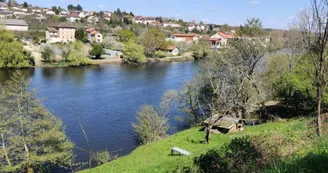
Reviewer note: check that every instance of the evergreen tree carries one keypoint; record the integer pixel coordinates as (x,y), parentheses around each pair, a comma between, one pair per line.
(79,7)
(80,35)
(31,137)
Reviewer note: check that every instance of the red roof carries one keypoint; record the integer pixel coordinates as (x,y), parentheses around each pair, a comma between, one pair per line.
(171,47)
(185,35)
(90,29)
(73,15)
(226,35)
(206,37)
(94,32)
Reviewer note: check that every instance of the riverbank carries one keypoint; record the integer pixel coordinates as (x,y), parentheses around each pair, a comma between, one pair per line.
(35,52)
(155,157)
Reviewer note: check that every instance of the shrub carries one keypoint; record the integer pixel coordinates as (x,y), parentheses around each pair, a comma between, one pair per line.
(133,53)
(150,126)
(47,54)
(160,54)
(213,161)
(101,157)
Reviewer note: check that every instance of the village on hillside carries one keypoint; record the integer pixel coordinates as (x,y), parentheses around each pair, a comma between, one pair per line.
(41,28)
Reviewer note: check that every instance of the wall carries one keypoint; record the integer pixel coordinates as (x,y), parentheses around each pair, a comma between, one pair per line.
(67,34)
(16,28)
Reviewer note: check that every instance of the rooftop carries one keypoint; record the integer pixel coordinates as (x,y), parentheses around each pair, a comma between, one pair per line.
(15,22)
(185,35)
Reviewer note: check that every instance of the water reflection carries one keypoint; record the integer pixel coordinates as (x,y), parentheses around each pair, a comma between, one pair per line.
(5,74)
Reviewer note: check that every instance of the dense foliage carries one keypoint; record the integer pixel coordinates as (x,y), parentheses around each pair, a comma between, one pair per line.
(97,50)
(126,36)
(133,53)
(11,52)
(153,40)
(32,138)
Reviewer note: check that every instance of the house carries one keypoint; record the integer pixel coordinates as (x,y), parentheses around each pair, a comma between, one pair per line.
(61,34)
(173,50)
(173,25)
(224,38)
(73,17)
(224,124)
(92,19)
(93,35)
(184,37)
(6,14)
(191,27)
(14,24)
(82,14)
(144,20)
(106,16)
(50,13)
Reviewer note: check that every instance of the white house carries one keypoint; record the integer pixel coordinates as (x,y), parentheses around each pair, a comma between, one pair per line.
(173,50)
(92,19)
(82,14)
(73,17)
(188,38)
(173,25)
(224,38)
(6,14)
(50,13)
(14,24)
(61,34)
(93,35)
(198,27)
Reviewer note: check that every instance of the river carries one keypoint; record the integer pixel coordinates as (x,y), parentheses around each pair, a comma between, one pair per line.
(106,99)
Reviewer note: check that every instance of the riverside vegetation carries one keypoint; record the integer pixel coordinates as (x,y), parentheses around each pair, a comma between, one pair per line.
(232,82)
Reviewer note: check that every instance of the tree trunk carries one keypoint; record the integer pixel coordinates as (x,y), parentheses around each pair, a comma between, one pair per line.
(5,150)
(193,110)
(319,100)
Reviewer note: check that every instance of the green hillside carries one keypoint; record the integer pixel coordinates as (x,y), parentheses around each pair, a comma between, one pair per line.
(155,157)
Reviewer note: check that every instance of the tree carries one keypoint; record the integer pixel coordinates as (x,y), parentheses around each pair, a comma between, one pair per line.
(54,9)
(11,52)
(150,125)
(80,35)
(63,19)
(47,54)
(70,7)
(118,12)
(112,43)
(25,5)
(126,36)
(12,3)
(97,50)
(31,136)
(313,27)
(76,56)
(131,14)
(153,40)
(252,28)
(79,7)
(133,53)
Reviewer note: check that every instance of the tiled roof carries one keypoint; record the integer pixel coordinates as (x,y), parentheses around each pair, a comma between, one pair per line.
(94,32)
(226,35)
(90,29)
(171,47)
(15,22)
(185,35)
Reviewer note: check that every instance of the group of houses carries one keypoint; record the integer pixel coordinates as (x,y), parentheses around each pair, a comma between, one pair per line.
(66,34)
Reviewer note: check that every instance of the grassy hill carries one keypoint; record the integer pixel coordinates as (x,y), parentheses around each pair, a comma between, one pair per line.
(294,137)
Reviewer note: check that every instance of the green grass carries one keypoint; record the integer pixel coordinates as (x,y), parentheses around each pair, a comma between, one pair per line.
(155,157)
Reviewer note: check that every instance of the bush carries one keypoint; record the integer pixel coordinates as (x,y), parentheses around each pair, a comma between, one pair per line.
(239,156)
(160,54)
(47,54)
(101,157)
(97,50)
(213,161)
(133,53)
(150,126)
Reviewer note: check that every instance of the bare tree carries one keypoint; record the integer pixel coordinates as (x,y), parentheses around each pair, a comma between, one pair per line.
(313,25)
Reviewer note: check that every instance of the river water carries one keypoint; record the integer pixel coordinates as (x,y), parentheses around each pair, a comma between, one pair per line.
(106,99)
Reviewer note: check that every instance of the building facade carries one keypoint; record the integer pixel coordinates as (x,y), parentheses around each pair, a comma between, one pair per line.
(93,35)
(14,24)
(61,34)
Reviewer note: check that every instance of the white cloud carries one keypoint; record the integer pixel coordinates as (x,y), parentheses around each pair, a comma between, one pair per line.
(254,2)
(101,6)
(205,20)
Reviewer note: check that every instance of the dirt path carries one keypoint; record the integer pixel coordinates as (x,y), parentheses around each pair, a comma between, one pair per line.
(35,51)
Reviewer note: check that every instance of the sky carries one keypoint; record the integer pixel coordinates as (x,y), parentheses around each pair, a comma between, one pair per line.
(273,13)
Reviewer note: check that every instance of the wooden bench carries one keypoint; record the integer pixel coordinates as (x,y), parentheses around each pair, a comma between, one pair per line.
(179,150)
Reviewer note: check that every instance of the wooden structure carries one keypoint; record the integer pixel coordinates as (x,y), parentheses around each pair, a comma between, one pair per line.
(225,124)
(180,151)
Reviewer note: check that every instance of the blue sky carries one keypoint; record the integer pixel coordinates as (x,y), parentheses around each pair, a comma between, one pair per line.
(273,13)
